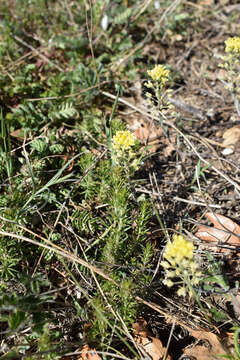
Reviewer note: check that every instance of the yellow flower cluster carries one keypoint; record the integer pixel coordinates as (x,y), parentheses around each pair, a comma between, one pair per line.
(123,140)
(233,45)
(123,155)
(179,263)
(159,73)
(178,250)
(231,77)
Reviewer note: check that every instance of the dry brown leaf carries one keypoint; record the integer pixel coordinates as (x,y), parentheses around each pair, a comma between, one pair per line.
(235,300)
(212,349)
(152,135)
(88,354)
(169,146)
(225,230)
(149,344)
(19,134)
(146,132)
(231,136)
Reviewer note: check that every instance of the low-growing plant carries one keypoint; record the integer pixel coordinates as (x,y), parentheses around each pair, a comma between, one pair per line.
(231,64)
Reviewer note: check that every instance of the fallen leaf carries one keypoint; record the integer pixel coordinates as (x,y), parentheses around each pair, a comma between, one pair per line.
(148,344)
(236,304)
(88,354)
(19,134)
(211,351)
(231,136)
(168,150)
(146,132)
(225,230)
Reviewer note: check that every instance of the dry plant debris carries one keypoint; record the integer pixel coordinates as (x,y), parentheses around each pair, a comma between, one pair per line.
(148,344)
(231,136)
(224,232)
(210,350)
(88,354)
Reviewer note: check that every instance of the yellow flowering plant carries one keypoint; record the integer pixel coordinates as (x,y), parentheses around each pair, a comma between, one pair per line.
(157,85)
(159,73)
(123,153)
(123,140)
(233,45)
(179,263)
(231,63)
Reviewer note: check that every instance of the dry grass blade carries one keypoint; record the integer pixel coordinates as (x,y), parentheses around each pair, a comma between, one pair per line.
(61,252)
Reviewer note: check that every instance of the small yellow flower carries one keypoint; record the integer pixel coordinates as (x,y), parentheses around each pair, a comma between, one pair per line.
(149,85)
(170,274)
(233,45)
(172,262)
(165,264)
(181,291)
(193,267)
(186,263)
(178,272)
(159,73)
(168,283)
(123,140)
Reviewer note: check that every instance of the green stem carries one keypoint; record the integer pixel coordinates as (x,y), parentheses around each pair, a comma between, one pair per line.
(196,296)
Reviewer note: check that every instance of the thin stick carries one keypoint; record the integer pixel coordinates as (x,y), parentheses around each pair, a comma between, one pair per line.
(61,252)
(38,53)
(169,339)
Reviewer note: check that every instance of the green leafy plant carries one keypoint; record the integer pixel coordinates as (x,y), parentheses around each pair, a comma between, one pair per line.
(5,147)
(199,172)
